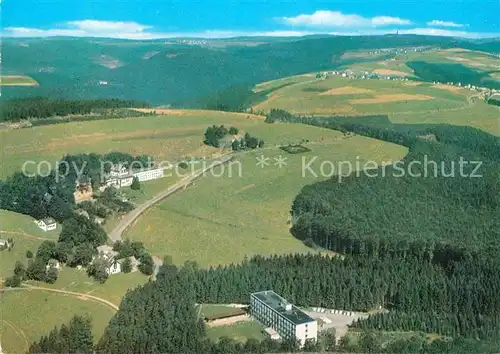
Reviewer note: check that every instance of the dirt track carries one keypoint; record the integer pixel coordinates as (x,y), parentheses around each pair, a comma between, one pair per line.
(81,296)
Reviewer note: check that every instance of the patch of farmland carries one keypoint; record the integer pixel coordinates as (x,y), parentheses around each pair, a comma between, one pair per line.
(346,90)
(340,96)
(390,72)
(17,80)
(391,98)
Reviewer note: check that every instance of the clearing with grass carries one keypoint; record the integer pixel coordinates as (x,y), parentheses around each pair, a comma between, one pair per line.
(220,220)
(28,314)
(17,80)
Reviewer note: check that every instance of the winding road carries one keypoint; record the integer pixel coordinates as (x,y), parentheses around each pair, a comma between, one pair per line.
(116,234)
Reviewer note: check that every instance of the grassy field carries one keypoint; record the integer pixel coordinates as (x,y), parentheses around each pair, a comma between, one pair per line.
(166,137)
(221,220)
(26,235)
(15,223)
(210,309)
(17,80)
(275,84)
(239,331)
(478,115)
(116,286)
(361,97)
(27,315)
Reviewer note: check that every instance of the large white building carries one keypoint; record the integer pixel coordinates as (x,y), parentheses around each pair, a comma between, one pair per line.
(149,174)
(120,176)
(273,311)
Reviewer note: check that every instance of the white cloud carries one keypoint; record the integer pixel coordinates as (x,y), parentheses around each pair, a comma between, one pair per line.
(137,31)
(88,28)
(448,33)
(387,20)
(107,26)
(440,23)
(324,18)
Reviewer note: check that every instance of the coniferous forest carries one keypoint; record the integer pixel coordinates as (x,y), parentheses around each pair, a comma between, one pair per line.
(41,107)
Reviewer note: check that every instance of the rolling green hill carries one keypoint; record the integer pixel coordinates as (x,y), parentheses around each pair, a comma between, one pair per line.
(163,72)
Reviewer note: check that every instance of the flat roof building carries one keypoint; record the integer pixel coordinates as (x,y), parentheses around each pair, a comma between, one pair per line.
(288,320)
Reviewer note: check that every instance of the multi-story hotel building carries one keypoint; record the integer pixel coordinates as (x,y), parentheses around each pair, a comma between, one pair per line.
(273,311)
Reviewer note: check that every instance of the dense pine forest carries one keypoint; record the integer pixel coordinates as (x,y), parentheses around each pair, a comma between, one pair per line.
(40,107)
(426,204)
(457,302)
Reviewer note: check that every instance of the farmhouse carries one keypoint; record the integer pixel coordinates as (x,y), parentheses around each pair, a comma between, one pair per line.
(47,224)
(83,191)
(119,177)
(53,263)
(287,320)
(113,267)
(106,252)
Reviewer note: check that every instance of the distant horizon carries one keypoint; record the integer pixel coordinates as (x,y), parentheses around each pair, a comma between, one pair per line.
(250,36)
(136,19)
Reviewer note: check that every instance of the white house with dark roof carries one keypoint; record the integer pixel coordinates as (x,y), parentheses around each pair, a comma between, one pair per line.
(47,224)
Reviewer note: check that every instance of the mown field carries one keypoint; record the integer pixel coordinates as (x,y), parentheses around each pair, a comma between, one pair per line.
(26,315)
(17,80)
(166,137)
(240,332)
(340,96)
(221,220)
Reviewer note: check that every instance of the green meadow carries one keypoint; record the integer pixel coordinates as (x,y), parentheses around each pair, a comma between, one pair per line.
(29,314)
(168,137)
(244,212)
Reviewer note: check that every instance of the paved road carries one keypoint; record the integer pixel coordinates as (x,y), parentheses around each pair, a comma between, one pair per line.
(116,234)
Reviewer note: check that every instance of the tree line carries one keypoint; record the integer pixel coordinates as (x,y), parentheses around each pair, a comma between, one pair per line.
(41,107)
(220,136)
(161,316)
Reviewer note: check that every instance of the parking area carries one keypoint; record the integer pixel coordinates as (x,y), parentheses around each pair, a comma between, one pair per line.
(338,319)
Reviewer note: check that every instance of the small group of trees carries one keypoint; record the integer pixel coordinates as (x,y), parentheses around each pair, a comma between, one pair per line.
(38,269)
(247,142)
(215,133)
(135,249)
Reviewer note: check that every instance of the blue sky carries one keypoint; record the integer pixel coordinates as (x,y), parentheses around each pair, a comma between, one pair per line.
(148,19)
